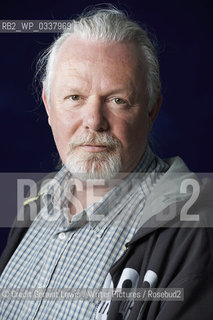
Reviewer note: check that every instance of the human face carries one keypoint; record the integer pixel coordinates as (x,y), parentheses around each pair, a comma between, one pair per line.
(98,106)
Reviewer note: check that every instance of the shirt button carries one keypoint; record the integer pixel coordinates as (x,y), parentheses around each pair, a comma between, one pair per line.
(62,236)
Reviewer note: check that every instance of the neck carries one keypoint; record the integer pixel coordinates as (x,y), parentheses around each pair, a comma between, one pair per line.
(92,190)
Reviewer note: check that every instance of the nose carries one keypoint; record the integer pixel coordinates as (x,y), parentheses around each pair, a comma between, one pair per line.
(94,117)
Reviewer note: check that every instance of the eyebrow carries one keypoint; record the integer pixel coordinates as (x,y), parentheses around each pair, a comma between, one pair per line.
(127,94)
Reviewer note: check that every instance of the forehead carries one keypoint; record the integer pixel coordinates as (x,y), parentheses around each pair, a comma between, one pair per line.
(124,56)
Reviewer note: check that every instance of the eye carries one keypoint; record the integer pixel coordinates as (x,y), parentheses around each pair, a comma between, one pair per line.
(119,101)
(74,97)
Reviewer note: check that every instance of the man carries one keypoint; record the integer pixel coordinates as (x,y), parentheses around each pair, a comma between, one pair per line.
(113,216)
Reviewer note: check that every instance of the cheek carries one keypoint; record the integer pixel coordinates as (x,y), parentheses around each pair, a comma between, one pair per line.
(63,127)
(132,132)
(63,121)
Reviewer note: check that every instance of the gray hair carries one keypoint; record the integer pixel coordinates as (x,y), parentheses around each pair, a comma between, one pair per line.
(108,24)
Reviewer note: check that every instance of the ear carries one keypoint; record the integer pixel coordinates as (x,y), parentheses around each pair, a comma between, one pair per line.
(46,104)
(153,113)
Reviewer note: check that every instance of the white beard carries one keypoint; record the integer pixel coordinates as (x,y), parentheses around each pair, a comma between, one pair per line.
(99,165)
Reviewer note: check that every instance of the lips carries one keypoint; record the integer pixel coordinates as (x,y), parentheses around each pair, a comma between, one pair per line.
(91,143)
(93,147)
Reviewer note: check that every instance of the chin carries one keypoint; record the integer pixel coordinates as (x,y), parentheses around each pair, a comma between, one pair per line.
(99,166)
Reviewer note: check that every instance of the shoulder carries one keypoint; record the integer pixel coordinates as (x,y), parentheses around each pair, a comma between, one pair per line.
(24,218)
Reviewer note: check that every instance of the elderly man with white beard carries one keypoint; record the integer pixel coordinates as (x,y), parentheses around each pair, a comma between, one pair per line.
(111,218)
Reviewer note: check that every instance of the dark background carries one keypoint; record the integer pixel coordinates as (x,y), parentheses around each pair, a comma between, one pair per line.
(183,30)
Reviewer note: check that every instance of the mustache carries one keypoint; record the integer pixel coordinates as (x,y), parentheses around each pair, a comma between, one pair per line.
(96,139)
